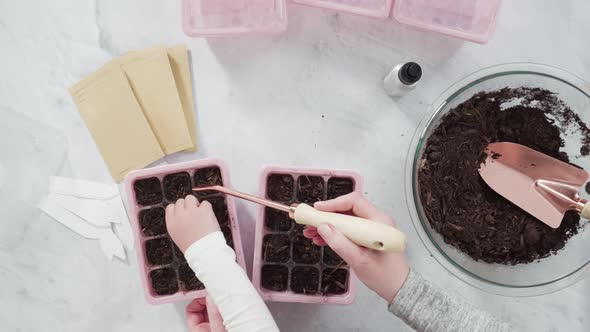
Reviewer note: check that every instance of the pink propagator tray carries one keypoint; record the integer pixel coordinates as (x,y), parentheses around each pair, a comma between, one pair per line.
(134,209)
(262,230)
(370,8)
(473,20)
(201,18)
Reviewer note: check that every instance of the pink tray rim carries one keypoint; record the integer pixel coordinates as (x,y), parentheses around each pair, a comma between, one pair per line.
(375,13)
(346,298)
(481,38)
(220,32)
(133,210)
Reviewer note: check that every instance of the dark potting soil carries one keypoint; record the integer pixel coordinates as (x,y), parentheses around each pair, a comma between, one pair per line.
(205,177)
(279,187)
(177,186)
(148,191)
(587,187)
(310,189)
(178,253)
(334,281)
(188,279)
(339,186)
(275,277)
(219,208)
(305,280)
(164,281)
(277,221)
(226,230)
(331,258)
(459,204)
(152,221)
(304,251)
(276,248)
(159,251)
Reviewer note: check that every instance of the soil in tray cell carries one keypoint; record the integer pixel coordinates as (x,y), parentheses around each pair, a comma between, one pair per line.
(226,230)
(277,221)
(188,279)
(310,189)
(305,280)
(332,258)
(152,221)
(339,187)
(205,177)
(148,191)
(334,281)
(219,208)
(274,277)
(279,187)
(177,186)
(159,251)
(164,281)
(304,251)
(276,248)
(179,255)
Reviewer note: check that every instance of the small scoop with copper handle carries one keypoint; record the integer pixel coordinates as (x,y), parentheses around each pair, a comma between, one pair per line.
(541,185)
(364,232)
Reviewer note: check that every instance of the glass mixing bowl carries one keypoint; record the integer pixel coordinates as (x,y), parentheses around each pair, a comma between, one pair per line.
(570,264)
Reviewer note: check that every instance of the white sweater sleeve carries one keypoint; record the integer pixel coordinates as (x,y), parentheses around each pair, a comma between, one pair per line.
(226,282)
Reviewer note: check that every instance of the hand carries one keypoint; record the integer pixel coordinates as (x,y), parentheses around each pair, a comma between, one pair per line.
(383,272)
(188,221)
(202,316)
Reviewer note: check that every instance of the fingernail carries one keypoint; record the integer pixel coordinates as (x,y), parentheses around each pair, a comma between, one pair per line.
(324,230)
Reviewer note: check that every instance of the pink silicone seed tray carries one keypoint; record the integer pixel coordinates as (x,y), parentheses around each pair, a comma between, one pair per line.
(473,20)
(262,230)
(370,8)
(134,209)
(233,17)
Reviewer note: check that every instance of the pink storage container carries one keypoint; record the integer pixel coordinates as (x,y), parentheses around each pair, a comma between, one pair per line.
(233,17)
(371,8)
(473,20)
(287,267)
(148,193)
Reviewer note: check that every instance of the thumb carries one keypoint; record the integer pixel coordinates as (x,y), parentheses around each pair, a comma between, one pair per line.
(215,319)
(341,245)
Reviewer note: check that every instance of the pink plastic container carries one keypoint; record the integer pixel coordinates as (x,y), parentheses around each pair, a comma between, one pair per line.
(321,265)
(199,171)
(233,17)
(371,8)
(473,20)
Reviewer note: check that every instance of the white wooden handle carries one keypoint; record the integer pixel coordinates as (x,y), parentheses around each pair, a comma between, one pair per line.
(586,211)
(364,232)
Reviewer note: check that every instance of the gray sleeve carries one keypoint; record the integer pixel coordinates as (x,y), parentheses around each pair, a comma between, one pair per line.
(427,308)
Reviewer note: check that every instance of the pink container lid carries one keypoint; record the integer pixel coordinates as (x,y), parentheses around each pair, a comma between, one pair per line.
(233,17)
(370,8)
(261,230)
(134,209)
(473,20)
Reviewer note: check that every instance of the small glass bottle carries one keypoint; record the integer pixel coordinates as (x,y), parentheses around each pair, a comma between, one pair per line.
(402,78)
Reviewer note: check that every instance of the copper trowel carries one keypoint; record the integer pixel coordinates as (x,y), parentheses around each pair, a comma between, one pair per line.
(541,185)
(364,232)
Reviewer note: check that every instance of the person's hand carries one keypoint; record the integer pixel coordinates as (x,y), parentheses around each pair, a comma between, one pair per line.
(202,316)
(188,221)
(383,272)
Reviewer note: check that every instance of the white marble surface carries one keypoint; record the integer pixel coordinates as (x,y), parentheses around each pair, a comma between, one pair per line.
(309,97)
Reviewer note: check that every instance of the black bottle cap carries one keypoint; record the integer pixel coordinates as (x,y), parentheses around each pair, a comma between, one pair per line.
(410,73)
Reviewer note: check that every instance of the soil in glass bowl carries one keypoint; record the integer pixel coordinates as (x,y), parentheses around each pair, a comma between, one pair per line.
(458,203)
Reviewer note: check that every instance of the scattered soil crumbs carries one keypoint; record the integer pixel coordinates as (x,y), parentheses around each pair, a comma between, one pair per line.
(461,207)
(164,281)
(305,280)
(275,277)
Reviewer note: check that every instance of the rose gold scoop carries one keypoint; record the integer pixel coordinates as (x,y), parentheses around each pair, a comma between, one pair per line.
(541,185)
(364,232)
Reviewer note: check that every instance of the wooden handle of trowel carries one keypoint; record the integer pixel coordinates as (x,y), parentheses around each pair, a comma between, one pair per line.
(585,213)
(364,232)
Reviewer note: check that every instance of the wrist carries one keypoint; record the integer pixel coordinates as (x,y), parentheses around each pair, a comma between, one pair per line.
(396,284)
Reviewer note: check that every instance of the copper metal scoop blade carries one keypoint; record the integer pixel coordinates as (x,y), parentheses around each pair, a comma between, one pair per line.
(541,185)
